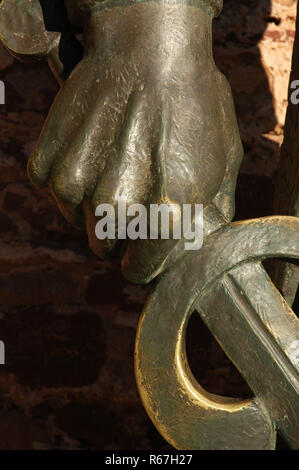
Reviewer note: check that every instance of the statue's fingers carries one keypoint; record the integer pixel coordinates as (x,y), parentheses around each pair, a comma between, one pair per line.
(74,175)
(129,171)
(189,159)
(73,147)
(64,123)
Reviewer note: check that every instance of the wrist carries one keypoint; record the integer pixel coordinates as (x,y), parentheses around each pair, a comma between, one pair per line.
(214,7)
(159,29)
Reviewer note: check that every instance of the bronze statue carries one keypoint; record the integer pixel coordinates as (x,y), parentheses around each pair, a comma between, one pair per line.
(146,115)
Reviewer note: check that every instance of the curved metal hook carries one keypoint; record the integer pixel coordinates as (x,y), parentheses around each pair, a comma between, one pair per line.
(186,415)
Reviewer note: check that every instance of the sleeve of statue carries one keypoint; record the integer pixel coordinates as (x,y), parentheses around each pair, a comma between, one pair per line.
(23,32)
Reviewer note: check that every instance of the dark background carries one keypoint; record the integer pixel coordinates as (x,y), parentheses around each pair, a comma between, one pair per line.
(69,320)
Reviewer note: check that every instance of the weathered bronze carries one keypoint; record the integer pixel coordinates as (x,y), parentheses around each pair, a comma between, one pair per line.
(147,116)
(227,285)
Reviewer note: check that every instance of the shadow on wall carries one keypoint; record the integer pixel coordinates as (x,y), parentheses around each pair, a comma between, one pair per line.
(237,33)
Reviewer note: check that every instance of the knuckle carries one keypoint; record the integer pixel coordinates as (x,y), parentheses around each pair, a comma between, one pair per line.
(66,190)
(37,170)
